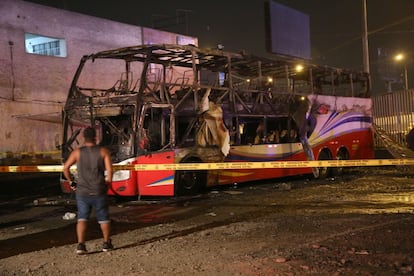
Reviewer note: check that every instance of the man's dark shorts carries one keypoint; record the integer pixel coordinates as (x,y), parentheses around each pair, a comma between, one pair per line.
(98,203)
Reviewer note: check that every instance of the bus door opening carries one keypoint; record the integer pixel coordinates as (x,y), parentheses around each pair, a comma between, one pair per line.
(157,125)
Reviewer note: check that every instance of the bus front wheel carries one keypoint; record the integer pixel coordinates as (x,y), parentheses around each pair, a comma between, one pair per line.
(190,182)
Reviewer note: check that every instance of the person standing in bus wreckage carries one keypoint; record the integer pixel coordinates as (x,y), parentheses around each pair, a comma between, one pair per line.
(284,136)
(259,134)
(292,136)
(91,187)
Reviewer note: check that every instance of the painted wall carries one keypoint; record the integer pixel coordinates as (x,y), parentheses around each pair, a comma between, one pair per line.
(33,88)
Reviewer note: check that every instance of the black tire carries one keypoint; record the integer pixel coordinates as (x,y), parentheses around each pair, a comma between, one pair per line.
(324,172)
(190,182)
(339,171)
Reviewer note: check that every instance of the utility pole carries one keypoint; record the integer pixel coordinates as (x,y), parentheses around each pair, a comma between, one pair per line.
(405,77)
(365,50)
(402,59)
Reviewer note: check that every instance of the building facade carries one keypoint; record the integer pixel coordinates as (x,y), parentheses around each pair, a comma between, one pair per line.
(40,50)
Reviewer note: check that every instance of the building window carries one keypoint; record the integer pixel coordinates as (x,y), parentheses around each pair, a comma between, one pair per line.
(44,45)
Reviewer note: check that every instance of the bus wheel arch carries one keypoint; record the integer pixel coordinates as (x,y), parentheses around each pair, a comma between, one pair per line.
(190,182)
(324,154)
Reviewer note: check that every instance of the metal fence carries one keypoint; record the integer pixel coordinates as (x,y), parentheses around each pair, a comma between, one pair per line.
(394,113)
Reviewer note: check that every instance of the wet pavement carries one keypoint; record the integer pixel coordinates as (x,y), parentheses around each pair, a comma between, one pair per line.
(33,220)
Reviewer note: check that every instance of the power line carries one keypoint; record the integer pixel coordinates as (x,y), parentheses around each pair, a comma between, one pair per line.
(403,20)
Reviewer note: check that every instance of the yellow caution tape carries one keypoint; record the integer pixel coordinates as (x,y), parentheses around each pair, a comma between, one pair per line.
(227,166)
(31,153)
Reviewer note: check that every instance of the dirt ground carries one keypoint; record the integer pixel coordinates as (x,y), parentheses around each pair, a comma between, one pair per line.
(359,224)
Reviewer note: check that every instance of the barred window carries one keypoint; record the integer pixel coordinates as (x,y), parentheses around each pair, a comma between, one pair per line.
(43,45)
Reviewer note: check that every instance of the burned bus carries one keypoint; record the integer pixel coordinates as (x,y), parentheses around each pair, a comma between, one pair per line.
(166,104)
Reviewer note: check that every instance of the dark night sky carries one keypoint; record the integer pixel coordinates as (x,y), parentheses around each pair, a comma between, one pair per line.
(239,25)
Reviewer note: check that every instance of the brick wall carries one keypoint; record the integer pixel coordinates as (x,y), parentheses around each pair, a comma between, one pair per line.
(35,86)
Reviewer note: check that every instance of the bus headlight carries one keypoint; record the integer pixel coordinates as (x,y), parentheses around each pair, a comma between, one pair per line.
(121,175)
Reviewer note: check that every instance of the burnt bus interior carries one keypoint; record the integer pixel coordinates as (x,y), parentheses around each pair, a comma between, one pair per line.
(255,130)
(150,97)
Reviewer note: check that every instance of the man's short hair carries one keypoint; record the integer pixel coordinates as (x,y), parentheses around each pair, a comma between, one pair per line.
(89,134)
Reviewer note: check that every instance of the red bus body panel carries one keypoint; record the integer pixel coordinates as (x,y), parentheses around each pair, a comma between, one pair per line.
(147,183)
(160,183)
(358,144)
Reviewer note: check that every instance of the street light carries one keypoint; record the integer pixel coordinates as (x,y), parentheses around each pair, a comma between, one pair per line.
(400,58)
(299,68)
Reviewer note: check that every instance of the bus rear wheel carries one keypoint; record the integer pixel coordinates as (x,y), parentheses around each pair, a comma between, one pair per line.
(190,182)
(338,171)
(324,172)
